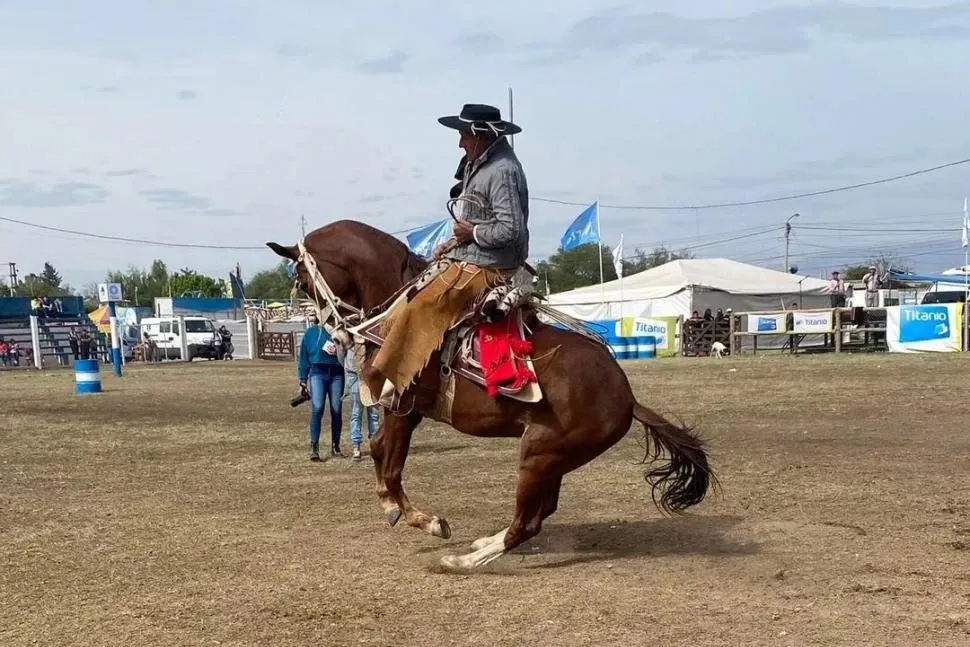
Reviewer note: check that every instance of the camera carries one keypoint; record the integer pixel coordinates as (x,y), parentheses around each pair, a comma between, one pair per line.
(298,400)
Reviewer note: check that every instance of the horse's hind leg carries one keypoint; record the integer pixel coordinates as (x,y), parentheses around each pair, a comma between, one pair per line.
(390,453)
(541,467)
(549,506)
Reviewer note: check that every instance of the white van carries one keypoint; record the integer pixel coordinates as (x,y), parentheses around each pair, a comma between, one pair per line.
(201,337)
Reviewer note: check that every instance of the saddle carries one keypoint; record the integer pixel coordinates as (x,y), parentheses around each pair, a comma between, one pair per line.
(462,353)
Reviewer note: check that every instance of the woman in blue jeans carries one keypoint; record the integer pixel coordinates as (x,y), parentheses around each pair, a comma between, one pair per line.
(321,368)
(357,407)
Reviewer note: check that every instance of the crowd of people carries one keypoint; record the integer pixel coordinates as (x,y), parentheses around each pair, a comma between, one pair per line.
(10,353)
(46,307)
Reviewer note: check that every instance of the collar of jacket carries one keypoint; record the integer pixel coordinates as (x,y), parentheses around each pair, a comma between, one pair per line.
(500,145)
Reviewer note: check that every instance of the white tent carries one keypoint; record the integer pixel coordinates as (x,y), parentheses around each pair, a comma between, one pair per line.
(680,287)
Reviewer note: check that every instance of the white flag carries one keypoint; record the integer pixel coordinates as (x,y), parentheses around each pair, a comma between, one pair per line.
(618,258)
(966,224)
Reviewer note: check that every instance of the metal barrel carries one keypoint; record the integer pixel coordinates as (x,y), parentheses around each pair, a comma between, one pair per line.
(87,379)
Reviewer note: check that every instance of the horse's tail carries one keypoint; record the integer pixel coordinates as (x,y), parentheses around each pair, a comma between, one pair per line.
(685,480)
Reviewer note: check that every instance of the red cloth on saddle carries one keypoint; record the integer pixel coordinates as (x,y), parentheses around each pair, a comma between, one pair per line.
(501,346)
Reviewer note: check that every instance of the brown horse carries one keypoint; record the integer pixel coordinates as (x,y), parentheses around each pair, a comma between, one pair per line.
(588,404)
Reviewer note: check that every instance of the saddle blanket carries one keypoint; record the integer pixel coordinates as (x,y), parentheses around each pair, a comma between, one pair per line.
(502,353)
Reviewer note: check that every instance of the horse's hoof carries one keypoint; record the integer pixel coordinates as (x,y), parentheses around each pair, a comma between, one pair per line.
(393,516)
(440,528)
(452,563)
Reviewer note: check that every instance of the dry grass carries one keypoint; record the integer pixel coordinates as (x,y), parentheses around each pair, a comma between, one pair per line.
(178,508)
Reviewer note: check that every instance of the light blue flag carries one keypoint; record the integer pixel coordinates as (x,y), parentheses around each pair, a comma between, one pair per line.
(584,230)
(423,241)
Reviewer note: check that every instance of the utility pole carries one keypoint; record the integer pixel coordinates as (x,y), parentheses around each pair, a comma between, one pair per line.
(13,275)
(788,238)
(302,226)
(511,119)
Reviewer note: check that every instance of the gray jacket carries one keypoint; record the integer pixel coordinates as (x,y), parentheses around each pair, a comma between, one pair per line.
(501,234)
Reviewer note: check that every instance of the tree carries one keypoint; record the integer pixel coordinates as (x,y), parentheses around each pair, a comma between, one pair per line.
(580,267)
(270,284)
(141,287)
(46,284)
(50,276)
(659,256)
(576,268)
(188,282)
(884,261)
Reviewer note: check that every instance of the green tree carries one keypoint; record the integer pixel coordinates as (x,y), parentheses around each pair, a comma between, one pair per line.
(141,287)
(576,268)
(46,284)
(270,284)
(50,276)
(658,256)
(580,267)
(884,261)
(187,282)
(4,290)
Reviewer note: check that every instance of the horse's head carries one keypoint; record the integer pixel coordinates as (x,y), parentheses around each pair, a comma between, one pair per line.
(362,265)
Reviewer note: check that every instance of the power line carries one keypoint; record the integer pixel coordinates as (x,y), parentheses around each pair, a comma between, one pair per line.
(748,203)
(900,230)
(156,243)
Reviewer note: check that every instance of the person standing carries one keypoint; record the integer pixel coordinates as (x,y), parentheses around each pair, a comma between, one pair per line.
(836,291)
(357,407)
(321,374)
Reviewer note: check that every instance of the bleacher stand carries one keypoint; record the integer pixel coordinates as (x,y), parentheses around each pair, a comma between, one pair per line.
(55,331)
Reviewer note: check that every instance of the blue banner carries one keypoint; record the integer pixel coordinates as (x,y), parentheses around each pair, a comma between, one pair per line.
(584,230)
(423,241)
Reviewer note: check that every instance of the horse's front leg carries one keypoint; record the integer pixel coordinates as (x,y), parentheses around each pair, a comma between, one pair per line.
(390,451)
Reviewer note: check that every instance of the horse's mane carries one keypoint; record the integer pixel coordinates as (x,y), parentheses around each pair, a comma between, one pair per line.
(412,264)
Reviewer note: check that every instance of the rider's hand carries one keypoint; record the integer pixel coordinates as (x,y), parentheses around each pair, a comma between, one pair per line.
(440,250)
(463,231)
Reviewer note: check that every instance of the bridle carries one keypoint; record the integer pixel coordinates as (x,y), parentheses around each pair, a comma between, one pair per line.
(332,305)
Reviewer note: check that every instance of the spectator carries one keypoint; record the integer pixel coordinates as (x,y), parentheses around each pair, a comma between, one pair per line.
(13,353)
(85,343)
(73,342)
(873,282)
(36,307)
(321,369)
(836,291)
(4,349)
(357,407)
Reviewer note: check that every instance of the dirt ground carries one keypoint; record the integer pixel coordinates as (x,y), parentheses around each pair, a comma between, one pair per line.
(179,508)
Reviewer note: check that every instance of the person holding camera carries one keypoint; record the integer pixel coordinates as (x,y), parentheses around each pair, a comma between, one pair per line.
(321,374)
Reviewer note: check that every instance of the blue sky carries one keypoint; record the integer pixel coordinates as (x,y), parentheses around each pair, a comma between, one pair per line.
(222,122)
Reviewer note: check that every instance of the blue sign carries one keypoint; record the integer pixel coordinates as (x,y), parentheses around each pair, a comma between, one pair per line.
(767,324)
(924,323)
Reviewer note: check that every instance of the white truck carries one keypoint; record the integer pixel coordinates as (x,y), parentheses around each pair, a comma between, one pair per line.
(202,340)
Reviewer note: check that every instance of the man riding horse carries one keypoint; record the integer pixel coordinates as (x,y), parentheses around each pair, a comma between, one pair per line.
(484,260)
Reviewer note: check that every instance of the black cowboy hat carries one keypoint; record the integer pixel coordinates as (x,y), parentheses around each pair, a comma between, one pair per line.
(477,118)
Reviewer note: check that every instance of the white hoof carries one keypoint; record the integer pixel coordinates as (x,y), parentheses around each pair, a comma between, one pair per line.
(491,551)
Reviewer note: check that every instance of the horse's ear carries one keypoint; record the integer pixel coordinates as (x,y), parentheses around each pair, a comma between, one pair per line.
(290,252)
